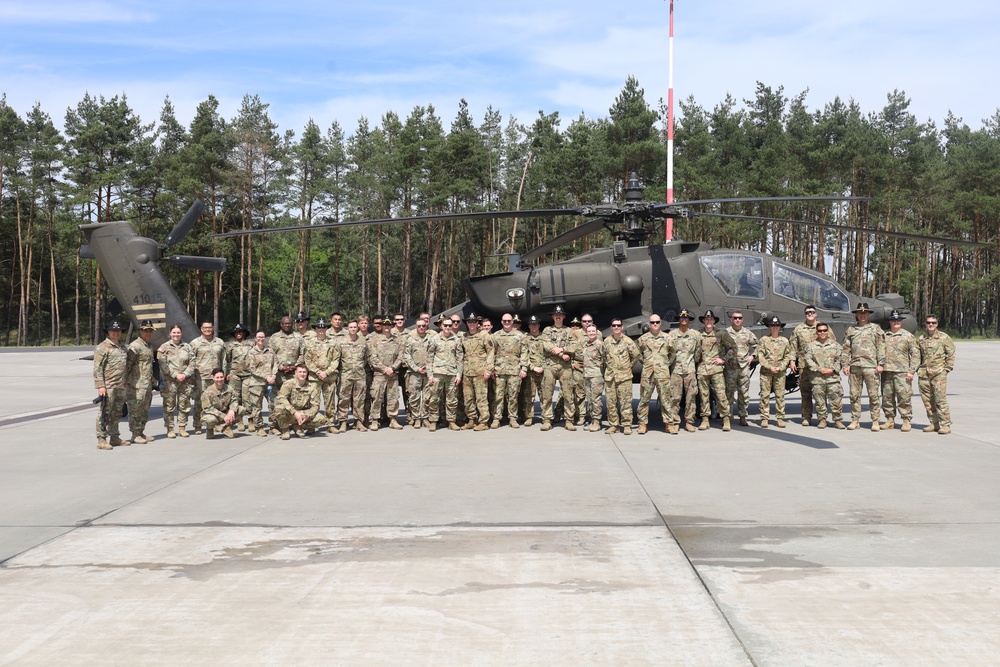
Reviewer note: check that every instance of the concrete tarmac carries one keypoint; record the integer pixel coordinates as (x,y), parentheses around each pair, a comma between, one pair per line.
(780,547)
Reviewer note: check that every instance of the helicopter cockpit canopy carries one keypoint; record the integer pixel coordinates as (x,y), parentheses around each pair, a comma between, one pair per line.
(809,289)
(737,274)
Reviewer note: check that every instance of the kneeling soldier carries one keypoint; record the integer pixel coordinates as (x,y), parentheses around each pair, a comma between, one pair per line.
(220,406)
(297,406)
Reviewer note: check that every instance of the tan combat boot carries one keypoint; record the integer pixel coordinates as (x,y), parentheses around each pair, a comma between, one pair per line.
(944,430)
(821,424)
(780,423)
(469,425)
(704,424)
(139,439)
(343,427)
(643,429)
(839,425)
(300,433)
(116,441)
(806,421)
(570,426)
(453,426)
(495,423)
(432,426)
(743,421)
(480,427)
(228,432)
(103,444)
(394,425)
(594,427)
(906,426)
(514,424)
(689,427)
(262,433)
(546,426)
(286,435)
(930,428)
(853,425)
(876,427)
(170,433)
(763,423)
(889,424)
(627,430)
(674,429)
(373,426)
(611,429)
(726,426)
(415,423)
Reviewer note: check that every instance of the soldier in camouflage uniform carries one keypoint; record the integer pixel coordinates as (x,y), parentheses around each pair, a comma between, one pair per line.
(478,360)
(384,354)
(236,352)
(444,368)
(802,337)
(657,357)
(823,358)
(139,382)
(619,354)
(298,406)
(937,359)
(110,362)
(536,369)
(322,358)
(561,346)
(220,406)
(289,350)
(262,371)
(353,379)
(510,360)
(302,326)
(711,371)
(864,349)
(593,376)
(416,352)
(775,353)
(579,388)
(209,353)
(685,347)
(902,356)
(177,373)
(739,366)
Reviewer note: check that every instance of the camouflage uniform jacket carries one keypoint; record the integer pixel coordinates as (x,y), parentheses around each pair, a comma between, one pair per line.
(802,337)
(445,356)
(260,364)
(236,356)
(657,355)
(175,359)
(776,352)
(686,349)
(139,368)
(593,358)
(511,353)
(619,357)
(209,355)
(288,348)
(902,354)
(416,351)
(713,346)
(937,353)
(296,398)
(560,337)
(824,355)
(319,356)
(536,350)
(352,359)
(581,340)
(383,351)
(110,363)
(218,402)
(479,354)
(864,346)
(743,345)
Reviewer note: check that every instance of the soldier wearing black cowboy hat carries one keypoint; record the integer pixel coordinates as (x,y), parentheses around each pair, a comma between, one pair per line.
(864,354)
(775,353)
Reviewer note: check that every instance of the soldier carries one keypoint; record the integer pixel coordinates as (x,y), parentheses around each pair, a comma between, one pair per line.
(479,356)
(685,347)
(579,390)
(139,382)
(322,358)
(823,358)
(902,356)
(802,336)
(444,368)
(656,361)
(619,354)
(298,406)
(236,353)
(593,376)
(384,355)
(337,329)
(289,348)
(262,372)
(739,365)
(110,362)
(220,406)
(364,322)
(775,354)
(302,320)
(399,332)
(561,346)
(536,370)
(209,353)
(711,370)
(510,368)
(937,359)
(352,392)
(416,351)
(177,372)
(864,352)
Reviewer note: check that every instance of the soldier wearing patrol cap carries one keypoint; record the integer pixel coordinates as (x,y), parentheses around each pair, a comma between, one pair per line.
(110,361)
(902,356)
(139,381)
(711,371)
(685,351)
(937,359)
(561,346)
(236,362)
(479,351)
(774,353)
(863,360)
(532,385)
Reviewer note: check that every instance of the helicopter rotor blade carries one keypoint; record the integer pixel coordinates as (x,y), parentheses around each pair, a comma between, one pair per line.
(195,263)
(443,217)
(739,200)
(182,228)
(577,232)
(849,228)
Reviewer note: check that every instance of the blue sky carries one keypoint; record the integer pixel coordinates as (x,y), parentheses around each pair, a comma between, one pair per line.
(339,60)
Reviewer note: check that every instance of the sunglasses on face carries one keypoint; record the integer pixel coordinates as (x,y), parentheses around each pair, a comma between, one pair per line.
(822,330)
(654,321)
(736,317)
(616,326)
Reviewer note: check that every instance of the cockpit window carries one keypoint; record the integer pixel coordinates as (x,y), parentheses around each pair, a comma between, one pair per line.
(808,288)
(737,275)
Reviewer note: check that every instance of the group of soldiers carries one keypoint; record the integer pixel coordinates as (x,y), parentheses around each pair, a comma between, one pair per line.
(320,375)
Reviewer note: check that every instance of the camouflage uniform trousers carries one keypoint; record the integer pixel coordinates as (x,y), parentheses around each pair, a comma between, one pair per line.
(328,390)
(417,396)
(934,394)
(112,406)
(686,385)
(807,379)
(580,394)
(593,388)
(647,383)
(252,400)
(236,384)
(713,383)
(564,376)
(385,389)
(444,385)
(828,390)
(772,384)
(139,401)
(176,396)
(619,402)
(738,389)
(897,396)
(508,389)
(286,420)
(531,388)
(209,420)
(868,377)
(200,385)
(279,379)
(475,389)
(351,394)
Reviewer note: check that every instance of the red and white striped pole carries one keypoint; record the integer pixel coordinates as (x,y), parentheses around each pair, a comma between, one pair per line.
(669,233)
